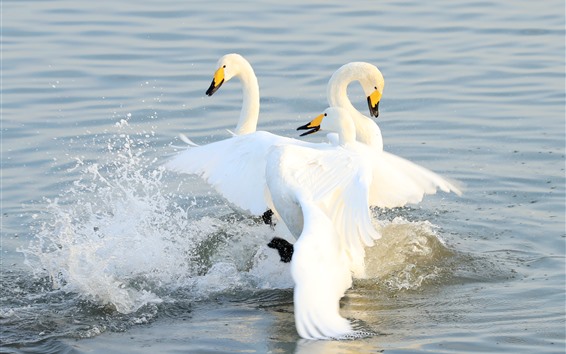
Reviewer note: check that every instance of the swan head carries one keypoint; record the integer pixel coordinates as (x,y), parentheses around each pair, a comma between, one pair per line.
(372,82)
(373,103)
(369,77)
(334,119)
(228,66)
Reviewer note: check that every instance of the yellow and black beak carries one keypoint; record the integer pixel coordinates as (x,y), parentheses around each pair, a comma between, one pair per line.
(217,81)
(373,103)
(313,126)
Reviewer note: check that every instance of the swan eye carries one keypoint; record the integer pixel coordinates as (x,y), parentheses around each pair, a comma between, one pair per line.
(325,114)
(224,66)
(375,87)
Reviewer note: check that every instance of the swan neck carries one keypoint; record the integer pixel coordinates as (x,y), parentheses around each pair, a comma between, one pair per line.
(367,131)
(347,133)
(250,106)
(337,92)
(345,140)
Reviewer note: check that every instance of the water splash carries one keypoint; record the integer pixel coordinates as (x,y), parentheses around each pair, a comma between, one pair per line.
(118,236)
(408,255)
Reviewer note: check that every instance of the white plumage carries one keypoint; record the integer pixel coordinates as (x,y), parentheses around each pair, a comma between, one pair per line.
(322,196)
(235,167)
(322,192)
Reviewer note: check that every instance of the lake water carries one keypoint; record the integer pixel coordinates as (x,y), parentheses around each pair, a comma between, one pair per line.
(103,252)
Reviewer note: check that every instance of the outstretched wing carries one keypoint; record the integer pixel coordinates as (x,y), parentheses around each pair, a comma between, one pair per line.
(397,182)
(235,167)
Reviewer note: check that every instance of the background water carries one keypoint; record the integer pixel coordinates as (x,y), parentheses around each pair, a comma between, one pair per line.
(103,252)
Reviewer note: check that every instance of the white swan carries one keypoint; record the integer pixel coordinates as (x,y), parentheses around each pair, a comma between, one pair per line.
(372,82)
(235,167)
(322,196)
(397,181)
(234,65)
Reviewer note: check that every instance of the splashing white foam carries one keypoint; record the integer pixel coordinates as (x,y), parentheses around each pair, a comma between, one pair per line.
(117,237)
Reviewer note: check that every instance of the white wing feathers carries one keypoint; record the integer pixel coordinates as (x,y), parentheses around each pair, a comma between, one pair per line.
(235,167)
(338,182)
(321,274)
(320,266)
(397,182)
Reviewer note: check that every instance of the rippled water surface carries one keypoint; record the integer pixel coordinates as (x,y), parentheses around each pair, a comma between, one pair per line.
(102,251)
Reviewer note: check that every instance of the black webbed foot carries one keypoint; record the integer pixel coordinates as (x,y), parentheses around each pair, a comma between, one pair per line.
(267,218)
(284,248)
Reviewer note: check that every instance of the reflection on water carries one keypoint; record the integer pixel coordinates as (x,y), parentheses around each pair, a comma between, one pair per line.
(347,347)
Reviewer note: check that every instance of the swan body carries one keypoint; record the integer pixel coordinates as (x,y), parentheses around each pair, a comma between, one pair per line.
(322,196)
(235,167)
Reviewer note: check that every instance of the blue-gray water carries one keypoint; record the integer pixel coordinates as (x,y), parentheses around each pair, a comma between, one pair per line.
(102,252)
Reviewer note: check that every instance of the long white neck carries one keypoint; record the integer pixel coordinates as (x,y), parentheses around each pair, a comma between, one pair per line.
(338,120)
(367,131)
(250,105)
(347,134)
